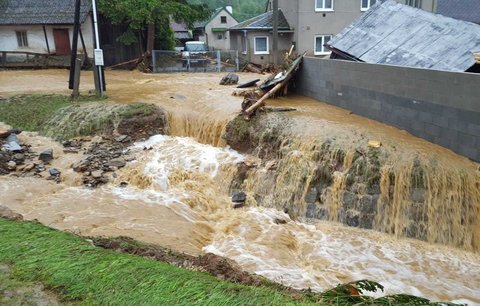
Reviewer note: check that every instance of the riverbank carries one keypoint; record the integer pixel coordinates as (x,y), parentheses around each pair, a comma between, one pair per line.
(174,192)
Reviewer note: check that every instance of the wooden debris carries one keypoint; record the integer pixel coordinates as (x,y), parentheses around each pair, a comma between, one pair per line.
(279,109)
(270,88)
(477,57)
(249,84)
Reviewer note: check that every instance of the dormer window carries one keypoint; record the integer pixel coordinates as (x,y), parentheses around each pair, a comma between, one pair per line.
(323,5)
(366,4)
(223,19)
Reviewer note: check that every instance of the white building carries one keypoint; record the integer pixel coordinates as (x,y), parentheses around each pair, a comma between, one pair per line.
(44,27)
(214,31)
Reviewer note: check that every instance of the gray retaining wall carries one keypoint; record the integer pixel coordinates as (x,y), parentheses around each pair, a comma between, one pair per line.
(441,107)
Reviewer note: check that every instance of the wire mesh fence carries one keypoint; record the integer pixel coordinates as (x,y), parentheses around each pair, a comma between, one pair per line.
(209,61)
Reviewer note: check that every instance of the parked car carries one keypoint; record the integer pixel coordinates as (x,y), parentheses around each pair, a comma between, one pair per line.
(195,53)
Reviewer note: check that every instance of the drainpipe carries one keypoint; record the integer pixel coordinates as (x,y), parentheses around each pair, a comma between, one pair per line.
(275,33)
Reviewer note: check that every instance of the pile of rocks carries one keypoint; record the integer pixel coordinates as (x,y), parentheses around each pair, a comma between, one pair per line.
(104,157)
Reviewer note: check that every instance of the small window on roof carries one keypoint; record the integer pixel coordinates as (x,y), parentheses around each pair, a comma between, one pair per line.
(22,39)
(366,4)
(223,19)
(261,45)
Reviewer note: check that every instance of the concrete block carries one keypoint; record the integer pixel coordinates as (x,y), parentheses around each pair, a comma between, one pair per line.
(474,129)
(433,130)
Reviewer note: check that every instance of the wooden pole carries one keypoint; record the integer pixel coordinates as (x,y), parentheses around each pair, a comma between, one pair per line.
(76,79)
(73,56)
(46,39)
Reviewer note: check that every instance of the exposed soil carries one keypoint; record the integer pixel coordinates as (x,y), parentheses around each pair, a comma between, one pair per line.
(217,266)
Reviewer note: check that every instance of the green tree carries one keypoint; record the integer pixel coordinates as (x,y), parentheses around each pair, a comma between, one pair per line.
(154,15)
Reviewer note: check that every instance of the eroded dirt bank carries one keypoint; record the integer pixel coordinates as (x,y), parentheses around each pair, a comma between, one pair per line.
(312,164)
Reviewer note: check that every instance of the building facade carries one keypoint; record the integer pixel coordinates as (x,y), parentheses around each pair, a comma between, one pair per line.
(46,28)
(315,22)
(214,31)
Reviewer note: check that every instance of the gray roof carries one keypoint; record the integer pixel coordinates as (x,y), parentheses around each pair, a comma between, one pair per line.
(26,12)
(263,22)
(397,34)
(468,10)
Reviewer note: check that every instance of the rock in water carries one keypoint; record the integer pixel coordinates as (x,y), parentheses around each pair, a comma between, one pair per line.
(11,165)
(97,174)
(239,197)
(54,172)
(238,205)
(46,156)
(230,79)
(119,163)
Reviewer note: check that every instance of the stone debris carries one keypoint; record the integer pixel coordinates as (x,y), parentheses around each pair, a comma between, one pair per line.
(123,138)
(54,172)
(230,79)
(46,156)
(239,199)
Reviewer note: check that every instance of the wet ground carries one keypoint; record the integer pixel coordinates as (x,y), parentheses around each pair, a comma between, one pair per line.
(177,194)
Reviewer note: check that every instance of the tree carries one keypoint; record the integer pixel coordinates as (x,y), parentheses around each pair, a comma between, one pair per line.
(153,15)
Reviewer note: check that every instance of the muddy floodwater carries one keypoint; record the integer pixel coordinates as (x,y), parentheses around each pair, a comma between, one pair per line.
(177,194)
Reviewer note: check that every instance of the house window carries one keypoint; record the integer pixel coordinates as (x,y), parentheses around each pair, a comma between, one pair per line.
(261,45)
(414,3)
(219,36)
(22,39)
(223,19)
(323,5)
(366,4)
(320,41)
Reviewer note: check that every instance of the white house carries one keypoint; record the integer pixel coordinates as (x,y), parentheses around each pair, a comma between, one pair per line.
(44,27)
(214,31)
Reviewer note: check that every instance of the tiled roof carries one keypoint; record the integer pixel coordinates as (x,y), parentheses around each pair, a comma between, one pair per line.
(41,11)
(396,34)
(263,22)
(468,10)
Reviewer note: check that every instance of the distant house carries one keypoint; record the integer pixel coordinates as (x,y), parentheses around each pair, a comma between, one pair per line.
(467,10)
(253,37)
(214,30)
(181,33)
(396,34)
(44,27)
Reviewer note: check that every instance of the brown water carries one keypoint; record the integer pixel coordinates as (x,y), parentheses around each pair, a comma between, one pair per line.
(178,193)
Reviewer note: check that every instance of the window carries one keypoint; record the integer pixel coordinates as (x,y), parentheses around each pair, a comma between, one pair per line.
(261,45)
(320,41)
(323,5)
(22,38)
(223,19)
(366,4)
(414,3)
(219,36)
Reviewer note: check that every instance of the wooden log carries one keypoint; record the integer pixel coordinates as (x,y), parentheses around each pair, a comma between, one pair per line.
(290,73)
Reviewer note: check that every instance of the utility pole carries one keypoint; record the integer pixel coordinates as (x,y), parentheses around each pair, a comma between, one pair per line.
(73,56)
(275,33)
(98,55)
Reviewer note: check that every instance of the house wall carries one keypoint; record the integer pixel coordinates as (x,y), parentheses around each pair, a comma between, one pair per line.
(214,42)
(441,107)
(36,37)
(307,23)
(284,44)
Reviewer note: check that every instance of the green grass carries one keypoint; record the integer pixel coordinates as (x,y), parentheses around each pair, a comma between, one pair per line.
(81,273)
(30,112)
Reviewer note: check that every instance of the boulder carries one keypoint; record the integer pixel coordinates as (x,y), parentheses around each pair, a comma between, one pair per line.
(54,172)
(239,197)
(81,166)
(118,163)
(46,156)
(13,144)
(230,79)
(123,138)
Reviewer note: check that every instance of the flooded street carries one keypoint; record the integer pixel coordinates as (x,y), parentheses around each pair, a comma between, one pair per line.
(178,191)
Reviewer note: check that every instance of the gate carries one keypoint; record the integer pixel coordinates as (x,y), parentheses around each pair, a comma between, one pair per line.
(211,61)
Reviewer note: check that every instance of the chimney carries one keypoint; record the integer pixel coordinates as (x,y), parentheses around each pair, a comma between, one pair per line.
(229,6)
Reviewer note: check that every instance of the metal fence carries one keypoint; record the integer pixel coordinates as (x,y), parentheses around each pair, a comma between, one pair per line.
(211,61)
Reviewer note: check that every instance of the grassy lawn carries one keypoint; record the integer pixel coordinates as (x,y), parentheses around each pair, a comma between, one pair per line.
(81,273)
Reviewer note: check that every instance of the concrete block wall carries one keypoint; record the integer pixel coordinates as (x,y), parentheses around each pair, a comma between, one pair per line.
(441,107)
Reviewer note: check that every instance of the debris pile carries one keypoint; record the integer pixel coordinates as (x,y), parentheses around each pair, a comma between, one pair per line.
(275,85)
(230,79)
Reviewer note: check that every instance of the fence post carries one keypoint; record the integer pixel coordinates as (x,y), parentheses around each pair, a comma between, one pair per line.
(219,61)
(154,62)
(237,60)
